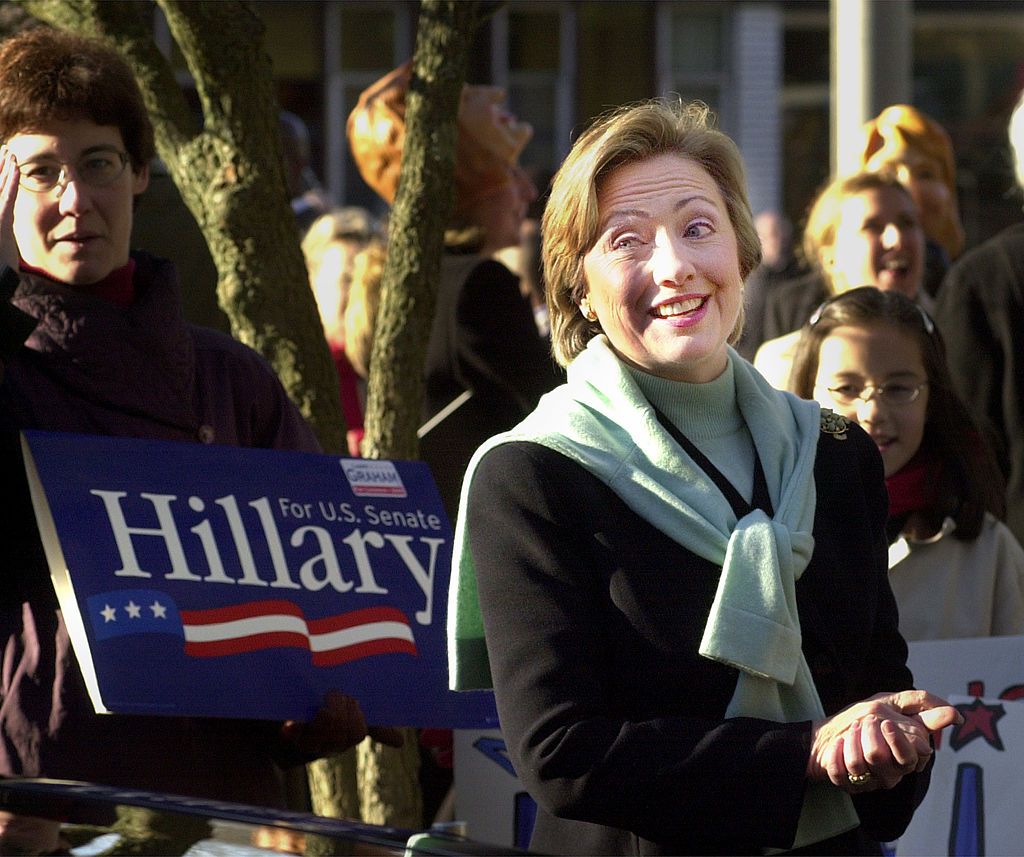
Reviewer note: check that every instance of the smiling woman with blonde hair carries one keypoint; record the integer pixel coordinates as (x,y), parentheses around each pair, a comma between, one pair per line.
(673,575)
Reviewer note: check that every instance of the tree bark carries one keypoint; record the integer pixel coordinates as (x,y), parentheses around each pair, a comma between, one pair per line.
(388,778)
(230,176)
(423,204)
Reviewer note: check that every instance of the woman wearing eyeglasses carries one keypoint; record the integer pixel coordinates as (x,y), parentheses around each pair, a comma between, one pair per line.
(112,354)
(957,571)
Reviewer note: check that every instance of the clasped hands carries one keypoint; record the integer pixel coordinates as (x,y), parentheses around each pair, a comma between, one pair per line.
(873,744)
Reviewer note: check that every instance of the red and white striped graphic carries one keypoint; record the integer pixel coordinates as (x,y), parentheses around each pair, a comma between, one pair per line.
(278,624)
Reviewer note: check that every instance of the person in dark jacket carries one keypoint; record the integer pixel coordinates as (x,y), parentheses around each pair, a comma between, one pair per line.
(674,574)
(112,354)
(980,311)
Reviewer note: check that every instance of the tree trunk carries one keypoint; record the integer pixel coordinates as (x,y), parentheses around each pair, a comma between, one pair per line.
(416,226)
(389,778)
(230,176)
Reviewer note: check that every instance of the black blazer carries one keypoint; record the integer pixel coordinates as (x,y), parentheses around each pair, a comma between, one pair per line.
(614,723)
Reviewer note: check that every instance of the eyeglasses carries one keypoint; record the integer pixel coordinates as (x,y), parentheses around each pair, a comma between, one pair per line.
(896,393)
(97,168)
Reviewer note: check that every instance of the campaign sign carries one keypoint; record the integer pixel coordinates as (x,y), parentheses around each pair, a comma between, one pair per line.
(218,581)
(973,803)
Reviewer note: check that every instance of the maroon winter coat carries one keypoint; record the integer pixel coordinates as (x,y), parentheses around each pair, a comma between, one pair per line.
(94,368)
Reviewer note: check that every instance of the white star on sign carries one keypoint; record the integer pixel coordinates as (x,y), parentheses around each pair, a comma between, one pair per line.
(108,613)
(159,611)
(133,610)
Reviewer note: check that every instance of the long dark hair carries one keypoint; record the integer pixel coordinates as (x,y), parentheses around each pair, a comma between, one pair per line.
(969,482)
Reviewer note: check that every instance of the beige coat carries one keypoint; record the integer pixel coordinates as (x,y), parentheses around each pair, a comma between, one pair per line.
(947,589)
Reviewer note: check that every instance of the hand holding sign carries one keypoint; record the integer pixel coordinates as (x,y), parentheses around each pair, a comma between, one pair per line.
(337,726)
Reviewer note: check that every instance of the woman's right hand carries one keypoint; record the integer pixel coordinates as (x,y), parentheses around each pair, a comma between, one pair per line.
(873,744)
(10,175)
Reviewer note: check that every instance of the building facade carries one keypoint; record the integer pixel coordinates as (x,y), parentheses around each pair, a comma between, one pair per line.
(764,66)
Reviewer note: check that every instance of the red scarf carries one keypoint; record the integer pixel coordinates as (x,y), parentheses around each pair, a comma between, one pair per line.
(348,384)
(912,487)
(118,287)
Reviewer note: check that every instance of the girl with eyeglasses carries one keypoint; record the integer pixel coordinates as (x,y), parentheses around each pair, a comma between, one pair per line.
(877,358)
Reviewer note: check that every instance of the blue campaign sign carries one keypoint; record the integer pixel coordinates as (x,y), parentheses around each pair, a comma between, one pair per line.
(218,581)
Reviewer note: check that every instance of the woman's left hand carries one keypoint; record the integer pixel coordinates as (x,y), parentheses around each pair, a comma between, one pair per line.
(875,754)
(875,743)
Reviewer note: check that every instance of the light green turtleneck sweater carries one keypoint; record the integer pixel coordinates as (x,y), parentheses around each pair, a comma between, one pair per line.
(710,417)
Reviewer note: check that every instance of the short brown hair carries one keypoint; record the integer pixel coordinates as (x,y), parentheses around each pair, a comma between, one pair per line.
(629,135)
(47,74)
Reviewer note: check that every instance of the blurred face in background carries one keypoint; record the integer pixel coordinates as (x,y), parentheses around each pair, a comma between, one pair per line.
(501,212)
(878,242)
(776,238)
(922,176)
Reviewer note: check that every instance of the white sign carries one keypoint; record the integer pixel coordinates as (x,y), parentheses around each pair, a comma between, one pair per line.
(488,795)
(973,806)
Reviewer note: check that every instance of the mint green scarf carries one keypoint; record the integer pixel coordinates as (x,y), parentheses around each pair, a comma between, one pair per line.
(601,420)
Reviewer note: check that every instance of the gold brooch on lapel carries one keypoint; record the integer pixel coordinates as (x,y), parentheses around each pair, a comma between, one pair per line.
(834,424)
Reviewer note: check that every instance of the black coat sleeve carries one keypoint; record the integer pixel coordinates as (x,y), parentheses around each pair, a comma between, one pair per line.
(852,508)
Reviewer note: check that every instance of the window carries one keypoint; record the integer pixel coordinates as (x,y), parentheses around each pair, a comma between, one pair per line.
(693,54)
(533,58)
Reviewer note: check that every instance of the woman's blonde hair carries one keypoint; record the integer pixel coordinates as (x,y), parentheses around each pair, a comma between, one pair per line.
(570,225)
(349,223)
(363,303)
